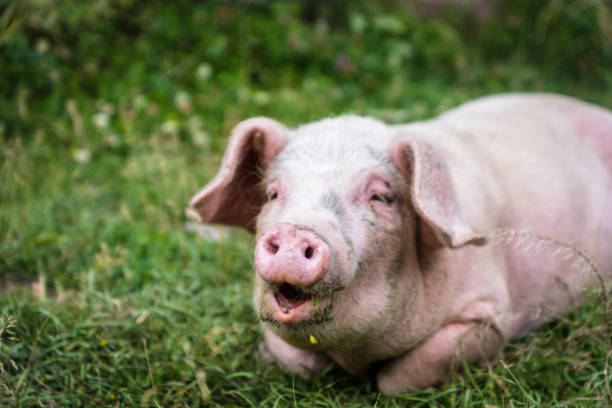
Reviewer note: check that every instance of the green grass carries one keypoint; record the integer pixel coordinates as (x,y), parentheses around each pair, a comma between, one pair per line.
(113,114)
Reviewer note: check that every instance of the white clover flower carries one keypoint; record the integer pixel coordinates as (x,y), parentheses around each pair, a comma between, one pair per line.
(194,123)
(204,71)
(170,127)
(101,120)
(81,156)
(200,138)
(42,45)
(261,98)
(140,102)
(182,100)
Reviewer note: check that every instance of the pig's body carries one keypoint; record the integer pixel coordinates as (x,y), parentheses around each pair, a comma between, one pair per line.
(538,163)
(402,244)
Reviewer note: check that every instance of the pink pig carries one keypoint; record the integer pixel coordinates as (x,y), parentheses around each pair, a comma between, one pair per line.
(419,245)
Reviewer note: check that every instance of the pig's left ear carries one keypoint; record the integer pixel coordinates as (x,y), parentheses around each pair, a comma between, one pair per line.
(433,194)
(233,197)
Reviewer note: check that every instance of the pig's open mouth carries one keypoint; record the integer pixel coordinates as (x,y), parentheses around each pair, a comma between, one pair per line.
(290,306)
(289,297)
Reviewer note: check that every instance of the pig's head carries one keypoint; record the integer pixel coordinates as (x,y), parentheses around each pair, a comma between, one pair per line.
(341,209)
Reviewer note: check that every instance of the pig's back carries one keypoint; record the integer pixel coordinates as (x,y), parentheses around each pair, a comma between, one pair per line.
(591,124)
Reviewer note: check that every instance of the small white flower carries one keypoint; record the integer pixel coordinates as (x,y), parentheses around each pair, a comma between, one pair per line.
(169,127)
(182,100)
(194,123)
(101,120)
(204,71)
(42,45)
(200,138)
(261,98)
(140,102)
(81,156)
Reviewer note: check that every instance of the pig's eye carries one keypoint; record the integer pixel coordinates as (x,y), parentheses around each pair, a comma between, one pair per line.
(381,198)
(272,195)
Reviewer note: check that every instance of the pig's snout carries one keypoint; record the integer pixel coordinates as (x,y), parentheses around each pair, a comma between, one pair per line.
(286,254)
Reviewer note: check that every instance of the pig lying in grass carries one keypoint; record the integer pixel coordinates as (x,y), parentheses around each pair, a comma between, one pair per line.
(419,246)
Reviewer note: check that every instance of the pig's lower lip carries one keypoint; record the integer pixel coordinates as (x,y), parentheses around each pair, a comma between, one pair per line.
(291,303)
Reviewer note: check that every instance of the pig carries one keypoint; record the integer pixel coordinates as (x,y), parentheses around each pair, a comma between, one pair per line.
(400,252)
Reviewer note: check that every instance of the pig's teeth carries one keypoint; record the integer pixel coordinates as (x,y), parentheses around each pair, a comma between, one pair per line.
(284,309)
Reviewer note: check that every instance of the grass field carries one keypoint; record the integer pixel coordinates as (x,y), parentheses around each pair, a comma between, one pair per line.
(113,113)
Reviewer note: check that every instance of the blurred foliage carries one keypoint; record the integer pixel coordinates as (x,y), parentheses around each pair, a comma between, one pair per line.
(51,50)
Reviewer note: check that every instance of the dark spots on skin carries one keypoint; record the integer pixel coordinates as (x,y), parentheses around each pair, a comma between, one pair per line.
(368,220)
(383,158)
(378,154)
(330,201)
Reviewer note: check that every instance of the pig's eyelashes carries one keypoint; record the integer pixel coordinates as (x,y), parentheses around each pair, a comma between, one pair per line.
(381,198)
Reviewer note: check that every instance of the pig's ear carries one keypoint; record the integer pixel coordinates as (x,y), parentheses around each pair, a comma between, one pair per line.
(433,194)
(233,197)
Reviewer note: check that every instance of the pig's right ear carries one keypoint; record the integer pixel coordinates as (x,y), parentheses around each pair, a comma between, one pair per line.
(433,194)
(233,197)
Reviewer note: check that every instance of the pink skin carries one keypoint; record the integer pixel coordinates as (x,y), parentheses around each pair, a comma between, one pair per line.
(374,243)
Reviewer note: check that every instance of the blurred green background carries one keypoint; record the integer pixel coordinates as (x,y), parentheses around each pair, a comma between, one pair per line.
(114,112)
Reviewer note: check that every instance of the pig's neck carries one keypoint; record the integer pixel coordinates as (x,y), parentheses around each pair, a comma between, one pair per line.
(427,284)
(422,306)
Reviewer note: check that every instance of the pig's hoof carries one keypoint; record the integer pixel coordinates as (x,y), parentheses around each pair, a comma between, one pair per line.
(390,384)
(390,388)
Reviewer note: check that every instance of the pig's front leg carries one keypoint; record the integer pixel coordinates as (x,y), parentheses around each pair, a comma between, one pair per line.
(432,361)
(292,359)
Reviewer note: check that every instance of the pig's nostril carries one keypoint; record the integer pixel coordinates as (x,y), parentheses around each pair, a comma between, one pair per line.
(272,246)
(308,253)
